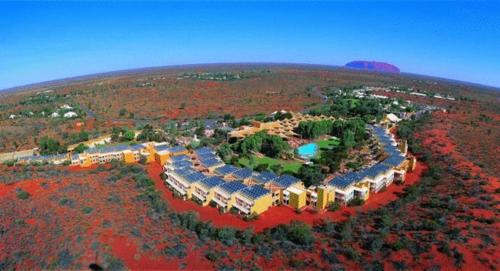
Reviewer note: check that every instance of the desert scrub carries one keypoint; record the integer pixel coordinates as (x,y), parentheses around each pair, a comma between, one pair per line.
(23,195)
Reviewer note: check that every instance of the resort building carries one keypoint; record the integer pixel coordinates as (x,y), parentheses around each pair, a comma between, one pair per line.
(206,159)
(261,177)
(253,200)
(242,174)
(225,171)
(283,128)
(164,152)
(320,197)
(204,190)
(279,185)
(182,181)
(379,176)
(102,155)
(295,197)
(224,195)
(56,159)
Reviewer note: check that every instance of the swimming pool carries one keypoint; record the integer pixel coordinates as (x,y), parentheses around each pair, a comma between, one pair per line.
(307,151)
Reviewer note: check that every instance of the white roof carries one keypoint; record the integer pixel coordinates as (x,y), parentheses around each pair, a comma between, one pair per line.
(295,190)
(55,115)
(70,114)
(393,117)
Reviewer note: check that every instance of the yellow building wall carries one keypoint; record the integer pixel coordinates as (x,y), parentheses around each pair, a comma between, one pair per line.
(297,201)
(161,158)
(128,157)
(262,204)
(324,197)
(86,162)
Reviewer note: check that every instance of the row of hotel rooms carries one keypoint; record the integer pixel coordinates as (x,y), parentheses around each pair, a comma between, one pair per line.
(202,176)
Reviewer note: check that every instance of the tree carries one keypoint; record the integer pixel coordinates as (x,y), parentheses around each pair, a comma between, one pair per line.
(273,146)
(81,148)
(225,152)
(277,168)
(122,112)
(310,175)
(348,140)
(129,135)
(50,146)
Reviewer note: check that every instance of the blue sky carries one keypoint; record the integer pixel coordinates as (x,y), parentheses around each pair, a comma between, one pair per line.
(52,40)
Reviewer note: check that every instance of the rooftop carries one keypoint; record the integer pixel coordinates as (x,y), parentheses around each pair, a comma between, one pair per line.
(232,187)
(254,192)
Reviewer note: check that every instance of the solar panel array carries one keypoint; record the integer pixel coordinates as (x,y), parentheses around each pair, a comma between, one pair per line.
(254,191)
(182,157)
(395,158)
(203,150)
(195,177)
(176,149)
(285,181)
(243,173)
(374,170)
(226,169)
(346,180)
(232,187)
(182,164)
(210,162)
(211,182)
(265,176)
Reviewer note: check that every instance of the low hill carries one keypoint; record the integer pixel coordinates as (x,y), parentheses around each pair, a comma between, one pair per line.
(372,66)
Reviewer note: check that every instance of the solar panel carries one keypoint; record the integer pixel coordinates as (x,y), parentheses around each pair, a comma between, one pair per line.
(376,170)
(342,182)
(210,162)
(254,191)
(232,187)
(195,177)
(265,176)
(211,182)
(180,158)
(176,149)
(226,169)
(181,164)
(285,180)
(243,173)
(203,150)
(394,160)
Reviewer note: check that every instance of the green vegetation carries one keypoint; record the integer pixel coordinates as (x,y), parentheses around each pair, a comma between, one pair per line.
(148,133)
(122,134)
(87,210)
(77,137)
(23,195)
(50,146)
(268,163)
(328,143)
(310,175)
(81,148)
(351,131)
(270,145)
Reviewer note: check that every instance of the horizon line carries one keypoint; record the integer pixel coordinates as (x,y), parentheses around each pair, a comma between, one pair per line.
(138,69)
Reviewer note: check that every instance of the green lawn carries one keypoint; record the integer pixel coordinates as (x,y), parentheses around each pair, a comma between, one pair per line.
(287,166)
(328,143)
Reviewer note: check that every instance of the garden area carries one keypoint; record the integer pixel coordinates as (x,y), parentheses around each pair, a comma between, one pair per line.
(268,163)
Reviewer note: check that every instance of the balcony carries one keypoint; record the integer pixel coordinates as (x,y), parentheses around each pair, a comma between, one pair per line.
(178,188)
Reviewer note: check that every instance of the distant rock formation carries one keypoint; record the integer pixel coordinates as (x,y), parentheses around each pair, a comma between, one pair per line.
(372,66)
